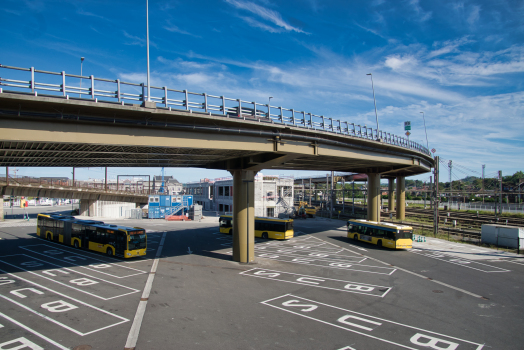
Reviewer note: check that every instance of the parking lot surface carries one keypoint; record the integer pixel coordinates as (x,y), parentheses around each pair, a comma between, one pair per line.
(316,291)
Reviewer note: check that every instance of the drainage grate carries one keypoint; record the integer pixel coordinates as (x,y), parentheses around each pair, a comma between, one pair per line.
(83,347)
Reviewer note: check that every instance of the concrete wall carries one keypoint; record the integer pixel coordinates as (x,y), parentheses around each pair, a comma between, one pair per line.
(115,210)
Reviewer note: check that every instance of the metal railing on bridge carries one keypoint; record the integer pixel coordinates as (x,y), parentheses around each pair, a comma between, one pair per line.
(69,86)
(88,185)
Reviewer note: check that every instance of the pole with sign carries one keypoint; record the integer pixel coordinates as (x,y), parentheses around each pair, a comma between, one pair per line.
(407,127)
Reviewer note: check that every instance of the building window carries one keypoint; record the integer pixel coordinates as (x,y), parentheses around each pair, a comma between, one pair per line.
(221,207)
(227,191)
(270,212)
(220,190)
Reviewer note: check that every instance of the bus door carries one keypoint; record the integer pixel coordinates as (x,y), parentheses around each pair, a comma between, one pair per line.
(121,243)
(58,229)
(67,232)
(90,234)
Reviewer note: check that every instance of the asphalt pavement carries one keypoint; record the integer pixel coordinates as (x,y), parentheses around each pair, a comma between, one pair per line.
(318,290)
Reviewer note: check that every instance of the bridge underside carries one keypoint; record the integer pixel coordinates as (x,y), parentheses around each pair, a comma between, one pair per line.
(47,131)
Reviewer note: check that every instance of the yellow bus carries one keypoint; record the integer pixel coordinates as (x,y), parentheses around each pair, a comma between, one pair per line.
(264,227)
(113,240)
(382,234)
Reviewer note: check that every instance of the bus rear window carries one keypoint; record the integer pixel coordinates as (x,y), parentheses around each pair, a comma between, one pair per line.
(289,225)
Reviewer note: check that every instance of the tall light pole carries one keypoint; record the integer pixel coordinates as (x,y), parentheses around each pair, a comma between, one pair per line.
(147,44)
(374,101)
(81,63)
(427,144)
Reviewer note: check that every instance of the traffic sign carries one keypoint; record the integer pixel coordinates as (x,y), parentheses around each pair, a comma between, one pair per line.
(433,150)
(408,133)
(407,125)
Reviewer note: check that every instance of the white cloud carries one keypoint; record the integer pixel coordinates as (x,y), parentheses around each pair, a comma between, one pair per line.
(397,62)
(422,15)
(174,29)
(265,13)
(474,15)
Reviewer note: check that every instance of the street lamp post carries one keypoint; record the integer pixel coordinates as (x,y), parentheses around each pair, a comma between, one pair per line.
(147,44)
(424,118)
(375,102)
(81,63)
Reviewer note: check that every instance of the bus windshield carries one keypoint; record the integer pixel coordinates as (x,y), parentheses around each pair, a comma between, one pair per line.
(405,234)
(137,239)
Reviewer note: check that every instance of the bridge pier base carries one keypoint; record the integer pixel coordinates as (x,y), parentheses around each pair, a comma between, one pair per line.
(374,197)
(391,195)
(401,198)
(243,215)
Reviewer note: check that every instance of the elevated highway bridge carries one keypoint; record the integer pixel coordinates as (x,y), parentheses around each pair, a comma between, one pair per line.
(104,125)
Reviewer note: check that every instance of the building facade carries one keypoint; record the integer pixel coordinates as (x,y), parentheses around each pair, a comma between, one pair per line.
(273,195)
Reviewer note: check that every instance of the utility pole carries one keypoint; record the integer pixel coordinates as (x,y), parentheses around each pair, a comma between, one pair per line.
(353,194)
(332,194)
(500,192)
(450,164)
(437,197)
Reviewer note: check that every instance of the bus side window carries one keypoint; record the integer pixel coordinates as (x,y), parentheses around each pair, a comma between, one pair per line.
(101,236)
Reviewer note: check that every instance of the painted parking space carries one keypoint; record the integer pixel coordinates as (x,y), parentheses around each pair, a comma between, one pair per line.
(310,253)
(68,313)
(390,332)
(350,266)
(15,335)
(319,282)
(87,261)
(475,265)
(42,271)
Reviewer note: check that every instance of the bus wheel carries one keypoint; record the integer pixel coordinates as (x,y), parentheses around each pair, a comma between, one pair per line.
(379,243)
(355,237)
(76,244)
(264,235)
(109,252)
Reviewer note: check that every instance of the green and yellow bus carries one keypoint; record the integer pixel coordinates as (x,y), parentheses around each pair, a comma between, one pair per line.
(264,227)
(113,240)
(382,234)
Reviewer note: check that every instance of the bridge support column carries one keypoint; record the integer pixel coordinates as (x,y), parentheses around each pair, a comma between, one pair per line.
(86,207)
(374,197)
(243,215)
(391,195)
(401,198)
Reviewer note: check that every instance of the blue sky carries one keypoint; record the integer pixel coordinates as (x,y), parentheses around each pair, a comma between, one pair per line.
(459,62)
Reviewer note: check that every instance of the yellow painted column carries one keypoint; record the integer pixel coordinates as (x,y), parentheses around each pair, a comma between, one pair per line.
(374,197)
(401,198)
(243,216)
(391,195)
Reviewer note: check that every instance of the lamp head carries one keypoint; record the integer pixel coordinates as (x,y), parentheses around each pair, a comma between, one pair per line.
(81,59)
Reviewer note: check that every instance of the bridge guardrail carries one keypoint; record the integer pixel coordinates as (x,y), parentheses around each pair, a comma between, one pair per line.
(116,91)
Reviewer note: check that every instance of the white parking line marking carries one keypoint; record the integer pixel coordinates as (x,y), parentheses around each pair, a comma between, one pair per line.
(34,332)
(71,272)
(81,333)
(350,266)
(132,337)
(319,282)
(369,326)
(414,273)
(83,257)
(458,261)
